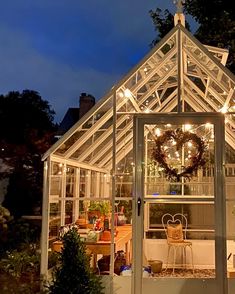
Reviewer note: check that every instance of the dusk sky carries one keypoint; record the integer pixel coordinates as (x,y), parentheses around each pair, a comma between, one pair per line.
(61,48)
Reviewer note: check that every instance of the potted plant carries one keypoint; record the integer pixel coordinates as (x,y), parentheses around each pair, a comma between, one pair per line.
(98,209)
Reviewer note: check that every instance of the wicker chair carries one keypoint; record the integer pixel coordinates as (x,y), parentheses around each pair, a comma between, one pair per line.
(175,227)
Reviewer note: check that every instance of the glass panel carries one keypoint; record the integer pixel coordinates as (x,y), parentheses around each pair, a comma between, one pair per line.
(72,140)
(102,185)
(70,181)
(230,207)
(93,123)
(56,179)
(94,184)
(82,188)
(179,219)
(123,212)
(200,219)
(149,68)
(69,211)
(177,158)
(54,219)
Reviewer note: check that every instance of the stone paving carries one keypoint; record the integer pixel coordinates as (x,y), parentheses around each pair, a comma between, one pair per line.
(187,273)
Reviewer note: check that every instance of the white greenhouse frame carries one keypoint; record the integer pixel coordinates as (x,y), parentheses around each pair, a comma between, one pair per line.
(179,75)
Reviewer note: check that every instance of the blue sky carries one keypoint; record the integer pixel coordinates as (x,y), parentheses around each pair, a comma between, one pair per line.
(61,48)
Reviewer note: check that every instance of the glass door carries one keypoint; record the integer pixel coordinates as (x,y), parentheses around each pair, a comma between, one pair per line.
(179,202)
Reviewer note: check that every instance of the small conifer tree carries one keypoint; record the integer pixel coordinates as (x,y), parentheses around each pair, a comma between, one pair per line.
(74,275)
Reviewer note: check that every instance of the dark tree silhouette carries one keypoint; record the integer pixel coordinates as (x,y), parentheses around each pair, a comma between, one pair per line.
(216,19)
(26,132)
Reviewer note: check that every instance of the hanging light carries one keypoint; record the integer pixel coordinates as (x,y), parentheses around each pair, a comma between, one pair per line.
(127,93)
(224,109)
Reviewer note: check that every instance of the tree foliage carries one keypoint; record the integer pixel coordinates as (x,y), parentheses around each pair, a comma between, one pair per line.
(216,20)
(216,24)
(26,132)
(25,123)
(163,22)
(74,275)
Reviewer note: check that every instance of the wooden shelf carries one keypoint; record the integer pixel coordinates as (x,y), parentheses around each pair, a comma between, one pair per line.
(231,272)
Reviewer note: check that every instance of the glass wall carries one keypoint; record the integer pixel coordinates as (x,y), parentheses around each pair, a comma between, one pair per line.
(77,196)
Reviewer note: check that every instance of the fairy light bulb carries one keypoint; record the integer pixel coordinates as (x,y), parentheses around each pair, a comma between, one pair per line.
(127,93)
(224,109)
(190,144)
(121,94)
(187,127)
(157,132)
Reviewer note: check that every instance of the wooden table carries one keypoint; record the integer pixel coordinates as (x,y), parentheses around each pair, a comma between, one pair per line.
(121,242)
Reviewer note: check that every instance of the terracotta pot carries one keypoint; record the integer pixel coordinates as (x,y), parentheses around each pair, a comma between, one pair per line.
(57,246)
(156,266)
(106,236)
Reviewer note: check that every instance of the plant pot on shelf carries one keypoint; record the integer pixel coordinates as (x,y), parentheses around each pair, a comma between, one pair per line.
(156,266)
(105,236)
(57,246)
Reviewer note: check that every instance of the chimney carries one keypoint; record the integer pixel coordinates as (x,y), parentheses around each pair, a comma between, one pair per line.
(86,102)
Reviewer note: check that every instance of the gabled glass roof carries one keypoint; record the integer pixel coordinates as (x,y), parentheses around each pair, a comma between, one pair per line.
(178,71)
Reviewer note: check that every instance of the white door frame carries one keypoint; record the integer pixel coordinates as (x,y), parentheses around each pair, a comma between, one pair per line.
(219,285)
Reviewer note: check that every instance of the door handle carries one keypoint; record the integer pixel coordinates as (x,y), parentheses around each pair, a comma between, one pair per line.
(139,205)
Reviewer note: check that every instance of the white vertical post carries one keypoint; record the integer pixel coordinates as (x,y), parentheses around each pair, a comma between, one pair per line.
(113,188)
(63,195)
(220,207)
(138,205)
(179,52)
(97,185)
(45,220)
(107,188)
(76,193)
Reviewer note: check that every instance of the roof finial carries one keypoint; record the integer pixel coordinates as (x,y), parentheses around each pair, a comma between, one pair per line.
(179,5)
(179,16)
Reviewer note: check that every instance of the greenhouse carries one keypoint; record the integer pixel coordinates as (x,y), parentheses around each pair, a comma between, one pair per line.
(147,175)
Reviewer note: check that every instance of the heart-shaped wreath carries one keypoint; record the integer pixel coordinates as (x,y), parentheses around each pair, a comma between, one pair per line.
(180,138)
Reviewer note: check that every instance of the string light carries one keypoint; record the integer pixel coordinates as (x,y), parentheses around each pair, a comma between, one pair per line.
(157,132)
(187,127)
(120,94)
(224,109)
(147,110)
(127,93)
